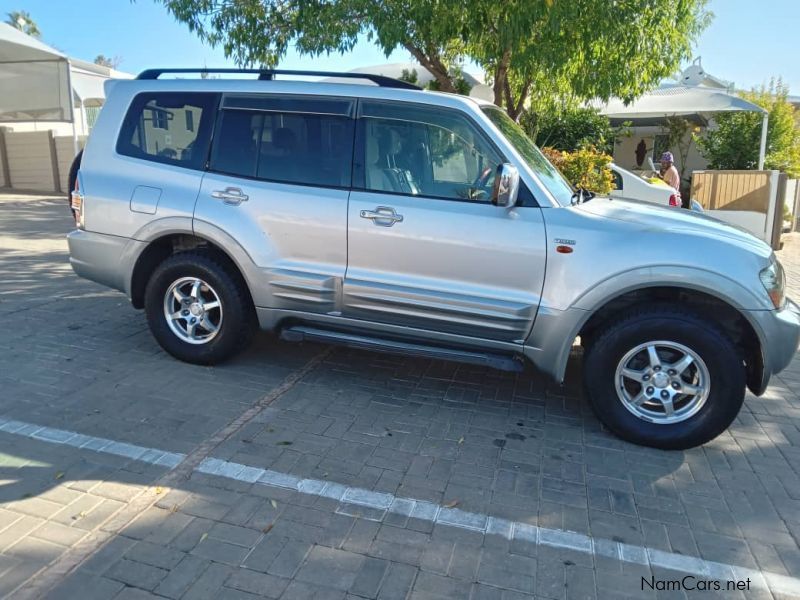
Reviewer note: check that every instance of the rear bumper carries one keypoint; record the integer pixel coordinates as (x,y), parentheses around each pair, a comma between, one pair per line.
(105,259)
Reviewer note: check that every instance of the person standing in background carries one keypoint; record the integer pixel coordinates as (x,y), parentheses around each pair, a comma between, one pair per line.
(668,171)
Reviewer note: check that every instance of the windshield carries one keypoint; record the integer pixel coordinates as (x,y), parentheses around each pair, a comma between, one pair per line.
(550,177)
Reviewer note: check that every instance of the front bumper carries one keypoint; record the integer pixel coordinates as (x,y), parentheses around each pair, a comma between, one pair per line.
(106,259)
(780,336)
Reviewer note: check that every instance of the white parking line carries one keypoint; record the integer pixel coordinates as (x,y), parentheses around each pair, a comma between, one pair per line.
(383,503)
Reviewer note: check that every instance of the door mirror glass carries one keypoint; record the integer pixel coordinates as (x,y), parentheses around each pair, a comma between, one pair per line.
(506,186)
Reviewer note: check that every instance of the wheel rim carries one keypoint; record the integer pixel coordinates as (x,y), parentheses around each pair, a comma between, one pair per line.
(662,382)
(193,310)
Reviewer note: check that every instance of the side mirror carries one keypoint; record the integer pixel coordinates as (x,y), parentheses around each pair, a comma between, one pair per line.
(586,195)
(506,186)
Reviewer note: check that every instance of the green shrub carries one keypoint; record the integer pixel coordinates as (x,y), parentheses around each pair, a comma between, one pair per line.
(570,129)
(585,168)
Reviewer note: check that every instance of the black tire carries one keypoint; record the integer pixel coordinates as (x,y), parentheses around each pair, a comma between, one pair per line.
(723,360)
(237,325)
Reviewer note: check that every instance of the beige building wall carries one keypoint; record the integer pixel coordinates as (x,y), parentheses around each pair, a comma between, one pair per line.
(30,160)
(37,160)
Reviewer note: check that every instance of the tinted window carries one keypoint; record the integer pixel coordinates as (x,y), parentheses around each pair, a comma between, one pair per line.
(172,128)
(323,105)
(236,141)
(306,149)
(425,152)
(617,179)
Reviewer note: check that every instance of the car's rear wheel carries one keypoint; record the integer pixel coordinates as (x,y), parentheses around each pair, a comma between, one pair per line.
(664,377)
(198,308)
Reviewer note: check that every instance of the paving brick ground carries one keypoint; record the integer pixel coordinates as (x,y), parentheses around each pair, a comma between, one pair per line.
(77,357)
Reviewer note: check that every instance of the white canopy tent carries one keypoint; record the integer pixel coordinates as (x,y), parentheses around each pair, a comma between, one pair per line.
(34,78)
(689,101)
(40,84)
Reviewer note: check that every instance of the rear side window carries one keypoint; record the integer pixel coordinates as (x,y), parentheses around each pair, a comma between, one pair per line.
(172,128)
(274,140)
(236,143)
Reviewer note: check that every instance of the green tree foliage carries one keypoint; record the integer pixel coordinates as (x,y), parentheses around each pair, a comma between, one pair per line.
(20,19)
(585,168)
(734,143)
(570,129)
(534,50)
(105,61)
(460,83)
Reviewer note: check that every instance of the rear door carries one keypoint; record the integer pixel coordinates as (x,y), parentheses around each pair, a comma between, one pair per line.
(426,248)
(278,180)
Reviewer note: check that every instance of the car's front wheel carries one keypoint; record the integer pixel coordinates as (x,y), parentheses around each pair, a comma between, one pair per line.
(664,377)
(198,309)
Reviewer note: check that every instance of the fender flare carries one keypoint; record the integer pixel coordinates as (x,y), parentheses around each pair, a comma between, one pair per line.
(550,342)
(167,226)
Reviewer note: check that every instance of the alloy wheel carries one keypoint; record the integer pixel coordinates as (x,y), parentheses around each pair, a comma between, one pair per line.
(193,310)
(662,382)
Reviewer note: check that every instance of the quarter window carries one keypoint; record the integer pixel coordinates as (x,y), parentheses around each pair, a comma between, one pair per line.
(425,152)
(172,128)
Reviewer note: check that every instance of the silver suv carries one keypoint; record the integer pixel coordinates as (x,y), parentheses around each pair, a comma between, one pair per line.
(386,217)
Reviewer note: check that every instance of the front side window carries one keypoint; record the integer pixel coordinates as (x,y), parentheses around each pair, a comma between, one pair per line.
(172,128)
(286,147)
(420,151)
(549,176)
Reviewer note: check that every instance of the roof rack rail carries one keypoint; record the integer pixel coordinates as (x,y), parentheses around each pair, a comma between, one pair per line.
(269,74)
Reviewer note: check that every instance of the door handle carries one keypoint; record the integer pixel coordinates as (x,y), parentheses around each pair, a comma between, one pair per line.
(230,195)
(385,216)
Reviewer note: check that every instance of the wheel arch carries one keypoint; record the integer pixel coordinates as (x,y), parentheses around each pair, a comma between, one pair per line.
(168,243)
(555,331)
(735,322)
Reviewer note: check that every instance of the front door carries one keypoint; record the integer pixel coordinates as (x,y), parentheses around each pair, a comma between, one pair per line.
(278,181)
(426,248)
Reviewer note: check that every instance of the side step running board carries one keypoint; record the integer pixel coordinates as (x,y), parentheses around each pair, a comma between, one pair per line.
(299,333)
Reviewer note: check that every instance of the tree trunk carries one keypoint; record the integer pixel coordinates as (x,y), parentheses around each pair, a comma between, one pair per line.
(434,65)
(515,109)
(501,77)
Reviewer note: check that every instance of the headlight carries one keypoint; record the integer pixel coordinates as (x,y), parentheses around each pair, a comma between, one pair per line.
(774,282)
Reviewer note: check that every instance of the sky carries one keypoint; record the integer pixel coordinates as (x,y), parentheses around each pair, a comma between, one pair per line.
(747,42)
